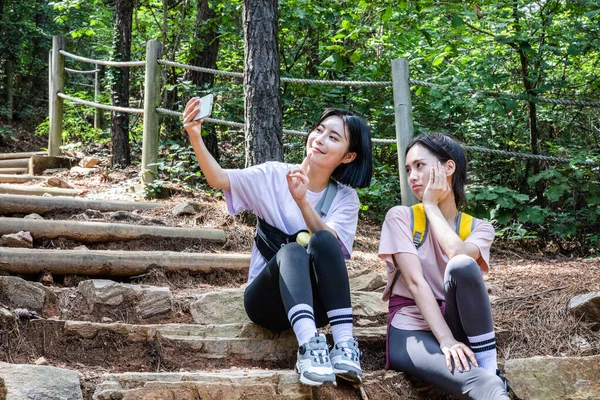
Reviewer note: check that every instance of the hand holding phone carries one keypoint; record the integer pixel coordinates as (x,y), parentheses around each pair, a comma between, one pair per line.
(205,107)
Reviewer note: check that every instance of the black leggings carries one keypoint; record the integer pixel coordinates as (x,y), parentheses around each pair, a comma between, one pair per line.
(316,276)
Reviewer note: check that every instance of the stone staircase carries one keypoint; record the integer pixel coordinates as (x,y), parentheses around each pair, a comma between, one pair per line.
(93,330)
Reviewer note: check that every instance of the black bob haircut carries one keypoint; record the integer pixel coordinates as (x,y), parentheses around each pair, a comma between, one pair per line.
(446,148)
(358,173)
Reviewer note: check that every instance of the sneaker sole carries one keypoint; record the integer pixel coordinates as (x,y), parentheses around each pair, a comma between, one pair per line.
(349,376)
(309,382)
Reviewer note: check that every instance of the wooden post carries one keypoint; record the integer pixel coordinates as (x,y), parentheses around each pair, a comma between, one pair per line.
(98,113)
(49,93)
(57,81)
(151,120)
(404,123)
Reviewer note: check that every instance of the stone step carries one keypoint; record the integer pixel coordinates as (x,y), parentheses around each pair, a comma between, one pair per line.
(237,384)
(103,300)
(23,381)
(170,347)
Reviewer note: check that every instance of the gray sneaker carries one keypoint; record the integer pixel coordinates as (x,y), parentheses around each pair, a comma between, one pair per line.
(345,358)
(314,365)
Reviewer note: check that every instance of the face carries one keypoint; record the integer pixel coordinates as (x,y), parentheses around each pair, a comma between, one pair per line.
(329,142)
(419,161)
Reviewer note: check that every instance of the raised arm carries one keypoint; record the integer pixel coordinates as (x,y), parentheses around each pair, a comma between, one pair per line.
(412,273)
(215,175)
(437,189)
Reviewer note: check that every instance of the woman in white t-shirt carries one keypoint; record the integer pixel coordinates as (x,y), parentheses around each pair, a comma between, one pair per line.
(303,288)
(440,325)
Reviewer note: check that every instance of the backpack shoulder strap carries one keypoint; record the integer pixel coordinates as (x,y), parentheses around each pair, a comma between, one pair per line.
(324,204)
(419,224)
(464,225)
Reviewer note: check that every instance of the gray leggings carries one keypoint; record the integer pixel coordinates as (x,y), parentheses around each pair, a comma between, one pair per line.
(468,312)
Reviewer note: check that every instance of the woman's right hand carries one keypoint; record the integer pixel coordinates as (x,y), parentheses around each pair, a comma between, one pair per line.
(193,128)
(459,352)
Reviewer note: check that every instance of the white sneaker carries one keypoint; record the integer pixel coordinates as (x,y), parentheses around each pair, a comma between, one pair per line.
(345,359)
(314,365)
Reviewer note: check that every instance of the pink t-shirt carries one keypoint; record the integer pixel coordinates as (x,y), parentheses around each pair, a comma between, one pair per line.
(263,189)
(396,237)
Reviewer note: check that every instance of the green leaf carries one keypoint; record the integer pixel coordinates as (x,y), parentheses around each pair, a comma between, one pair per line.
(457,21)
(438,59)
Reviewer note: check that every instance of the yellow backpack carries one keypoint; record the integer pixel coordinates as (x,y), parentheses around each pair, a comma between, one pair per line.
(464,225)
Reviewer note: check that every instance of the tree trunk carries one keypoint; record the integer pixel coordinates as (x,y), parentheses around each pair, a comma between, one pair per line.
(205,48)
(119,123)
(262,101)
(9,70)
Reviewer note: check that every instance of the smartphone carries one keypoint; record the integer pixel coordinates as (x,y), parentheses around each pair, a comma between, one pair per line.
(205,107)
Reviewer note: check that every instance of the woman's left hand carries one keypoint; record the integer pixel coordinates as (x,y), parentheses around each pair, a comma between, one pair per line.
(438,187)
(297,180)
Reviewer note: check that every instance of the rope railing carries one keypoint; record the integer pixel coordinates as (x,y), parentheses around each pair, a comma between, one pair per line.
(100,105)
(510,95)
(77,71)
(415,82)
(240,125)
(102,62)
(528,156)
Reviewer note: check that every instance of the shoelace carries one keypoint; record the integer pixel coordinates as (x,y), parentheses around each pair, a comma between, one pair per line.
(321,356)
(349,353)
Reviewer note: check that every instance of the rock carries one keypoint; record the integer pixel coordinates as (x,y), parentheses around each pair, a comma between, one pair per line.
(545,378)
(219,307)
(366,281)
(104,297)
(36,382)
(124,215)
(82,171)
(90,162)
(20,239)
(189,207)
(81,247)
(57,182)
(586,306)
(227,306)
(33,216)
(47,278)
(19,293)
(41,361)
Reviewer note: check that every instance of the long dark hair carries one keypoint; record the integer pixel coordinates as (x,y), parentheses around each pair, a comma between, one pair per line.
(358,172)
(446,148)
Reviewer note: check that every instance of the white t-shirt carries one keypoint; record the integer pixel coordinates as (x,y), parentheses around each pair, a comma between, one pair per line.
(263,189)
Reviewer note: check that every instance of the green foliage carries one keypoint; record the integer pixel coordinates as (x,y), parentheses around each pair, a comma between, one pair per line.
(531,48)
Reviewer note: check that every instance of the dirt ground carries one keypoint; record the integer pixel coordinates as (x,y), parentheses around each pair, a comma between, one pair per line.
(530,289)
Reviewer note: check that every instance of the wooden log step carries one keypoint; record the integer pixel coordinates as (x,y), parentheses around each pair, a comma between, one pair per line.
(7,171)
(21,204)
(115,263)
(5,178)
(10,156)
(15,163)
(37,190)
(98,232)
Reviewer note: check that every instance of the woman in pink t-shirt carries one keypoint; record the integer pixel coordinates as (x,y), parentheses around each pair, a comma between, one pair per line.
(440,325)
(289,285)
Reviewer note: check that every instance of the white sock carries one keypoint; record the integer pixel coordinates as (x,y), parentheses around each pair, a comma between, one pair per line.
(484,347)
(302,319)
(340,321)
